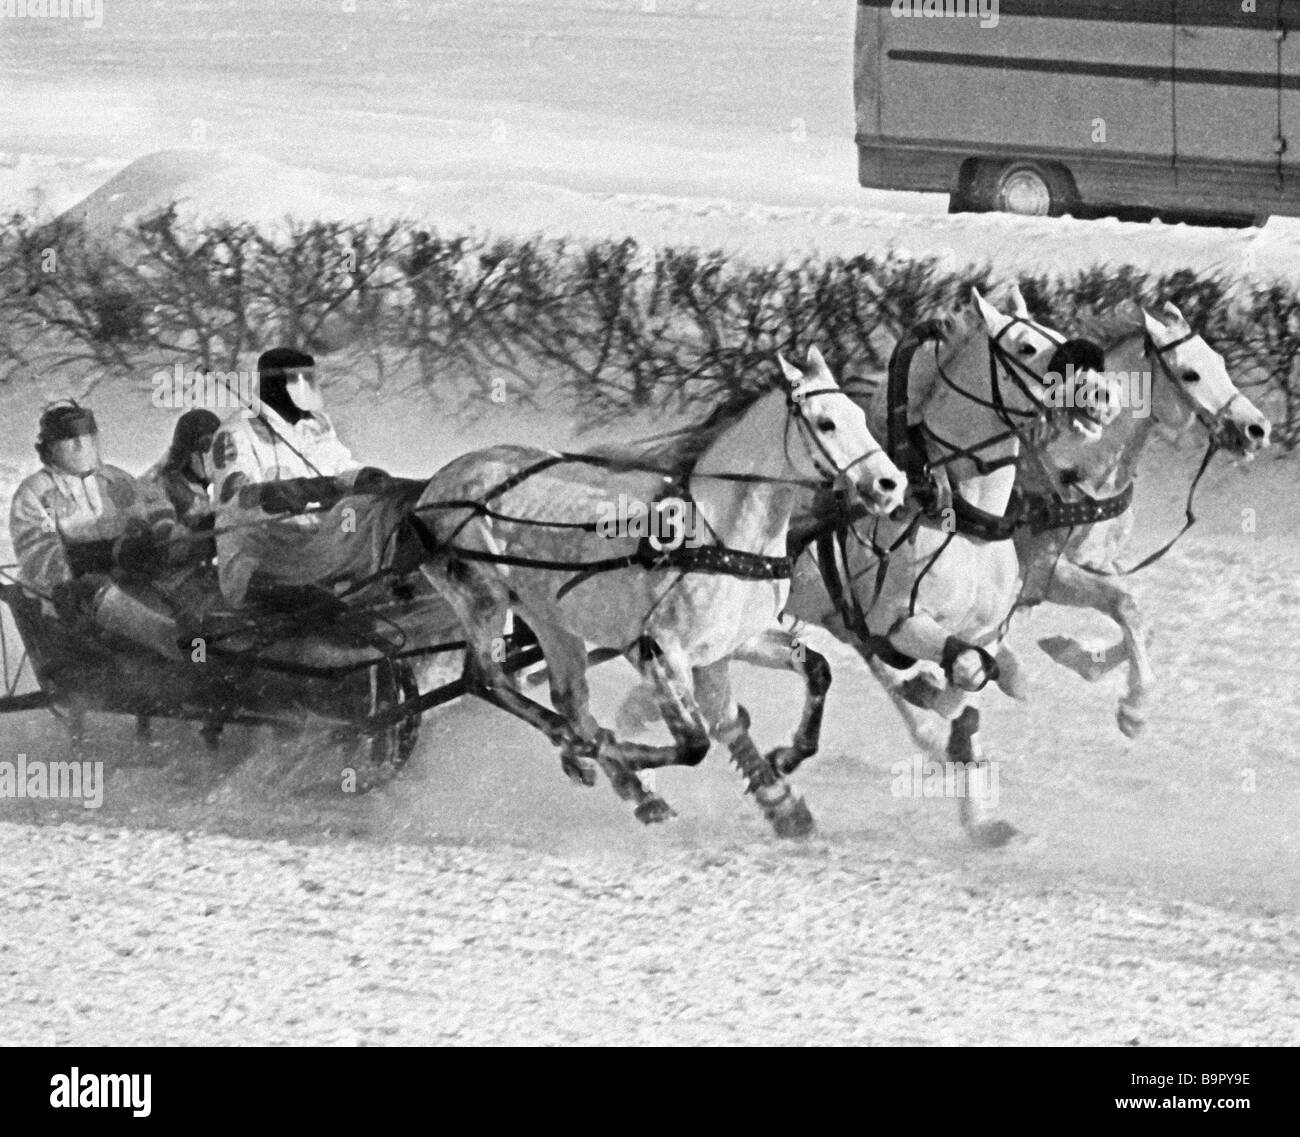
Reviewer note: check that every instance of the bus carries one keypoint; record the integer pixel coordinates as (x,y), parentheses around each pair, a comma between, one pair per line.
(1049,107)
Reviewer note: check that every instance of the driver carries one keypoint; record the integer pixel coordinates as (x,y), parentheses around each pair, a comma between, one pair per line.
(294,510)
(81,529)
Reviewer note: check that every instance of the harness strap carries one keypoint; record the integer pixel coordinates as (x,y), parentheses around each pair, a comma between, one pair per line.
(1037,513)
(905,447)
(1043,511)
(953,647)
(716,559)
(847,604)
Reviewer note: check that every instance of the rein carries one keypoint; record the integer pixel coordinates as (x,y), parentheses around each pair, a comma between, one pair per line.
(1212,421)
(716,558)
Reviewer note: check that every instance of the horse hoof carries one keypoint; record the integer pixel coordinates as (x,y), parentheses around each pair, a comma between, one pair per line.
(580,771)
(1132,722)
(992,834)
(790,816)
(654,810)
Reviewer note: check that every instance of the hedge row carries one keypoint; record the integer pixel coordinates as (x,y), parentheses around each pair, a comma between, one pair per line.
(615,324)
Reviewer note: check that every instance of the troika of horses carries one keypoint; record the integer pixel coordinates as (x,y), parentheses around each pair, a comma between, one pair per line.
(992,467)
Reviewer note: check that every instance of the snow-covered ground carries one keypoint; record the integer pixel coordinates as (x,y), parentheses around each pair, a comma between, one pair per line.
(723,123)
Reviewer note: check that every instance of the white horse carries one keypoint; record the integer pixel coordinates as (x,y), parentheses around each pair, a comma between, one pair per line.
(918,588)
(514,527)
(1188,386)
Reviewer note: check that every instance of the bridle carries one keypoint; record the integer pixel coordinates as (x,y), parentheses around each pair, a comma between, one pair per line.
(1215,422)
(1021,376)
(813,445)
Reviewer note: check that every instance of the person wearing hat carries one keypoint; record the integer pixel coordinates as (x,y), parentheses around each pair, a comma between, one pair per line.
(294,509)
(79,527)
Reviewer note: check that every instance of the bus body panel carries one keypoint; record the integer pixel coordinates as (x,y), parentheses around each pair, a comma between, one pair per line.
(1155,103)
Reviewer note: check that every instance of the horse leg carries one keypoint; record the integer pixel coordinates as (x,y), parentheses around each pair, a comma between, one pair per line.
(480,606)
(667,673)
(922,637)
(639,709)
(975,799)
(566,665)
(948,736)
(778,648)
(729,723)
(1072,586)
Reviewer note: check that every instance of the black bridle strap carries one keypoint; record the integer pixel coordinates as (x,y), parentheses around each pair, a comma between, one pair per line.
(1211,420)
(906,443)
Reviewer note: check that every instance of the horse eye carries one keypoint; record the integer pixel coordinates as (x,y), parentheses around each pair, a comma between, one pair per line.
(1191,376)
(825,425)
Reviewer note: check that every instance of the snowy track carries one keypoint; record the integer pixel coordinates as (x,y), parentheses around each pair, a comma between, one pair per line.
(139,937)
(1153,895)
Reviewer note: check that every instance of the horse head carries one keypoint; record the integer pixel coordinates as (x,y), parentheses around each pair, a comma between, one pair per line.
(1002,380)
(837,446)
(1199,387)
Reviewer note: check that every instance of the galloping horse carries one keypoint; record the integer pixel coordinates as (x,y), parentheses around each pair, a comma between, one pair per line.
(923,586)
(516,527)
(1189,387)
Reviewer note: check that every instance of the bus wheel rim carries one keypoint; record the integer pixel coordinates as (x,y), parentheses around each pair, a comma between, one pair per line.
(1026,193)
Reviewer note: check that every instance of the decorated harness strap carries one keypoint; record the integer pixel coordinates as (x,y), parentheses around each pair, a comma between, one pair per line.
(1038,513)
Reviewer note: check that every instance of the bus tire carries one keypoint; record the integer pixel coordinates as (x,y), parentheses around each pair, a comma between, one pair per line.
(1024,187)
(959,200)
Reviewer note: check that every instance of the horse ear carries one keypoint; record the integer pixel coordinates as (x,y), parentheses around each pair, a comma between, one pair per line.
(1155,329)
(816,362)
(991,316)
(792,374)
(1171,310)
(1018,305)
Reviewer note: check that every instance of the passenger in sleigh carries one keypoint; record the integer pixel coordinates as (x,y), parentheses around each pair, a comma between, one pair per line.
(184,473)
(87,535)
(298,520)
(184,476)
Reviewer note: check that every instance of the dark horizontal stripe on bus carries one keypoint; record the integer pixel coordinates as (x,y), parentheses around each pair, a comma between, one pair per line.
(1269,80)
(964,148)
(1190,13)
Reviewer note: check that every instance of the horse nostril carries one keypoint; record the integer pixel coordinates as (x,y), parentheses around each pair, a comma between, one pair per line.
(886,485)
(1255,430)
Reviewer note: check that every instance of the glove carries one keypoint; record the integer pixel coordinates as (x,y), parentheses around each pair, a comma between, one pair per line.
(137,553)
(73,598)
(289,496)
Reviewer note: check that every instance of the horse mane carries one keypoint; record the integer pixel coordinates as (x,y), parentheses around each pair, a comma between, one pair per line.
(956,326)
(1113,325)
(953,330)
(677,451)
